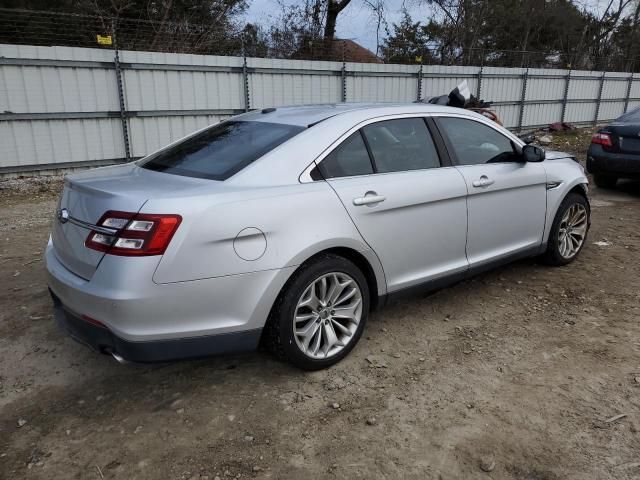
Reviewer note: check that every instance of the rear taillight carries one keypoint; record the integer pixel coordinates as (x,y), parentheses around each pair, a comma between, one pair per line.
(135,234)
(603,139)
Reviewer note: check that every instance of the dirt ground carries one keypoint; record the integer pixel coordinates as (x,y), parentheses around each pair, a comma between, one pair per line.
(524,371)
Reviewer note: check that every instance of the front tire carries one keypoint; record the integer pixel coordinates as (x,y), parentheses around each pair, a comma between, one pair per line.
(320,314)
(569,230)
(605,181)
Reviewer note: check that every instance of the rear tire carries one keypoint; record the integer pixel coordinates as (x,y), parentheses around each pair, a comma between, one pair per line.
(570,224)
(605,181)
(318,300)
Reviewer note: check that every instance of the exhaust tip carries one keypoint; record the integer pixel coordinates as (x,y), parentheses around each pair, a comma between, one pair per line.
(118,358)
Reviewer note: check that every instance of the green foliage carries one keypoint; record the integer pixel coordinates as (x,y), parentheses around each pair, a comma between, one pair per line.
(535,33)
(409,42)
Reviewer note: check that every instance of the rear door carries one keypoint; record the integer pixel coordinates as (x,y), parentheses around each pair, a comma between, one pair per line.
(507,198)
(407,205)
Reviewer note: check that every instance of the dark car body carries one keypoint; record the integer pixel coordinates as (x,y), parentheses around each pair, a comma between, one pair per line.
(615,150)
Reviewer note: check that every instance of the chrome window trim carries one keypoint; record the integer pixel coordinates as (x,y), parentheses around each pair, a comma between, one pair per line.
(305,176)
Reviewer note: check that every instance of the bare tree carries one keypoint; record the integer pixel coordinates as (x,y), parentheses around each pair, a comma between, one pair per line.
(603,27)
(378,11)
(334,7)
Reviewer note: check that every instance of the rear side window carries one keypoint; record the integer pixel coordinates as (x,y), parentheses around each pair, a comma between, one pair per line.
(395,145)
(221,150)
(475,143)
(401,145)
(348,159)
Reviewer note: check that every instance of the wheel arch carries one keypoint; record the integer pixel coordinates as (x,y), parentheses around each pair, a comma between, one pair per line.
(580,189)
(375,281)
(366,261)
(360,261)
(553,254)
(555,197)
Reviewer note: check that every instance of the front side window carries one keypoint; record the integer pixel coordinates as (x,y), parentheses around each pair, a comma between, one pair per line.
(401,145)
(475,143)
(348,159)
(222,150)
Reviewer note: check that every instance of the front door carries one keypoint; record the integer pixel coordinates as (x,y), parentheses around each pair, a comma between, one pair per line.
(507,197)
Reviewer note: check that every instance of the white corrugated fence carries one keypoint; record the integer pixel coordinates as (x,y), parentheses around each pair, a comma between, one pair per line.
(63,107)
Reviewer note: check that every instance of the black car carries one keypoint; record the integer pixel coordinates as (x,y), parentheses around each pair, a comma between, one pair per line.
(615,151)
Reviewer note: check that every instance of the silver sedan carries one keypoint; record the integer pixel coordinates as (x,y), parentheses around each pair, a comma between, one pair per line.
(287,226)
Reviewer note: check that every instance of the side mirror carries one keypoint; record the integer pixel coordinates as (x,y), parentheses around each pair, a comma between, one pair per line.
(531,153)
(527,138)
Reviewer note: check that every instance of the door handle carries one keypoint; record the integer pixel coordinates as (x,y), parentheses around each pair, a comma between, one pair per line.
(483,182)
(370,198)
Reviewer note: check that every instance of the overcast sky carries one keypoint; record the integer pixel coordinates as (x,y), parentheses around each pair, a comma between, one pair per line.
(356,21)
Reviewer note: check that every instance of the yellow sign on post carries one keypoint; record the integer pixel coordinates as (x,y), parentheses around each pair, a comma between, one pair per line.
(104,39)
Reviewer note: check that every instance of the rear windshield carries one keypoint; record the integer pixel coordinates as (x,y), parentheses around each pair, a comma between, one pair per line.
(632,116)
(221,150)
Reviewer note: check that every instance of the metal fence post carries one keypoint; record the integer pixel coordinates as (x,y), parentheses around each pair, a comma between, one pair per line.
(525,78)
(629,85)
(419,83)
(343,75)
(599,100)
(565,96)
(479,89)
(245,78)
(123,112)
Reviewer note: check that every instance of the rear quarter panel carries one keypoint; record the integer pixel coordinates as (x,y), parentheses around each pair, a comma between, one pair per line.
(282,227)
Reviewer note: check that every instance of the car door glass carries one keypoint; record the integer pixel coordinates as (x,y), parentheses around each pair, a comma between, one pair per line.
(348,159)
(475,143)
(401,145)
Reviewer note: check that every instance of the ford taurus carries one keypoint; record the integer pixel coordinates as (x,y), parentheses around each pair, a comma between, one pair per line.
(287,226)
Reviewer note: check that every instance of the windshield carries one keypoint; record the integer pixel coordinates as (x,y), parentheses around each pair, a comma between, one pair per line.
(222,150)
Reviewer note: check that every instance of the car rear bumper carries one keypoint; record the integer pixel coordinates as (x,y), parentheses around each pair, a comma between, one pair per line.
(102,340)
(601,162)
(124,312)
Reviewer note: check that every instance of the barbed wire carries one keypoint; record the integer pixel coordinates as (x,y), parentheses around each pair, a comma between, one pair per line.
(34,27)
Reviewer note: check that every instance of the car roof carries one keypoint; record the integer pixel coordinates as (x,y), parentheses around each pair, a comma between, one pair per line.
(284,164)
(307,115)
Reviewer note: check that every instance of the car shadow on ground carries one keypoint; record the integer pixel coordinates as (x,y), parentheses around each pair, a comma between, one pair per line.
(628,187)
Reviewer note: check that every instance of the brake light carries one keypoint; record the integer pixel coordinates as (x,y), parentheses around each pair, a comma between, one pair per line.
(603,139)
(136,234)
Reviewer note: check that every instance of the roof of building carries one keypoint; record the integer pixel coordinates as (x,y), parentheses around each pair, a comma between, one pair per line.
(337,50)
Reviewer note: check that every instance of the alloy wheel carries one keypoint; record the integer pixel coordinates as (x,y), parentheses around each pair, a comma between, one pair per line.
(327,315)
(573,229)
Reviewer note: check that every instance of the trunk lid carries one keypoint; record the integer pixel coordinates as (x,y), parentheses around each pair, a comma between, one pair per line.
(625,137)
(88,195)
